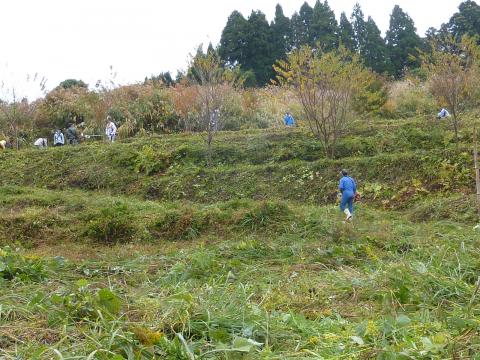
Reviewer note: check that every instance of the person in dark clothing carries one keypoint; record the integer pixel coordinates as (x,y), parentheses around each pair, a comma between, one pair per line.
(72,136)
(348,188)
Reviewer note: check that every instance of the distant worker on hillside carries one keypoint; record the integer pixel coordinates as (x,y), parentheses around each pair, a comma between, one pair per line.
(214,120)
(40,143)
(443,114)
(72,136)
(348,189)
(289,120)
(111,129)
(58,138)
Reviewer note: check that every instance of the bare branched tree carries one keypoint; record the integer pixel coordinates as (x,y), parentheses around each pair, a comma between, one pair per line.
(325,84)
(212,81)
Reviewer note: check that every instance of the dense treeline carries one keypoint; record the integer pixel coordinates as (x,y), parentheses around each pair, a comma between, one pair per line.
(256,45)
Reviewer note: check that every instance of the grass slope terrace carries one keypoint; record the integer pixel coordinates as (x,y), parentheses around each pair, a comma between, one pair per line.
(396,163)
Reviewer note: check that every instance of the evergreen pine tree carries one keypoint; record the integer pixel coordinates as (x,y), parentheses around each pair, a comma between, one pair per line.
(375,52)
(465,22)
(295,30)
(164,78)
(281,37)
(210,49)
(431,34)
(259,56)
(345,32)
(301,26)
(324,26)
(359,29)
(233,46)
(402,42)
(369,43)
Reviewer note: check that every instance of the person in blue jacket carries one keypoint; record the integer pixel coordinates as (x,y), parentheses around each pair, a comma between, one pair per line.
(288,119)
(348,188)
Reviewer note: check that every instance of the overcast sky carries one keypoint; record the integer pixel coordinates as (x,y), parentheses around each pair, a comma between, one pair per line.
(81,39)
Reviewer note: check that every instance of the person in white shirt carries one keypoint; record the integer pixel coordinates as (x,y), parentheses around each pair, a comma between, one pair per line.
(58,138)
(111,129)
(443,114)
(40,143)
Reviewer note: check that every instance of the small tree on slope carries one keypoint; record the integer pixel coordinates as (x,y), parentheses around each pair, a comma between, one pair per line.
(453,73)
(213,83)
(325,84)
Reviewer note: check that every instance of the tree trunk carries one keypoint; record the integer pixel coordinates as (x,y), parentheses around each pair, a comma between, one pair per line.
(209,145)
(455,126)
(332,151)
(209,153)
(477,170)
(16,138)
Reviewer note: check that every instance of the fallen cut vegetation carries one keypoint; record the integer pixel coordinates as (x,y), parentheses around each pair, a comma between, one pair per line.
(271,286)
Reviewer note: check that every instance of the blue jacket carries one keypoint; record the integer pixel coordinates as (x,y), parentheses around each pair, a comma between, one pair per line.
(347,185)
(289,120)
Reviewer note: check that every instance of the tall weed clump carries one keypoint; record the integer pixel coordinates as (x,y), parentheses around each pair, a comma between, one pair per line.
(149,161)
(268,213)
(408,99)
(112,224)
(146,108)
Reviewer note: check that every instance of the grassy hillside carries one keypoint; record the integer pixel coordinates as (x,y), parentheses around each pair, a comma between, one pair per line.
(138,251)
(394,162)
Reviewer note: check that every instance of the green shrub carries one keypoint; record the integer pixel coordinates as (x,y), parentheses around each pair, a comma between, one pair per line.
(265,214)
(189,223)
(179,224)
(372,99)
(356,146)
(143,108)
(411,137)
(15,266)
(150,162)
(112,224)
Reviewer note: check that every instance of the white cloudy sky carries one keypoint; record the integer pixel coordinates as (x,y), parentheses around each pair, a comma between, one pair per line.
(81,39)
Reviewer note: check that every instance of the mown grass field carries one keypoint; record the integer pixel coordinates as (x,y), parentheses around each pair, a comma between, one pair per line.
(137,251)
